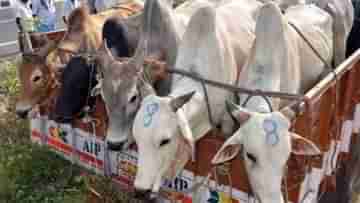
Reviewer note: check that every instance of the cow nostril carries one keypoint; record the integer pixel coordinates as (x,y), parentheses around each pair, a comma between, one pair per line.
(143,194)
(115,146)
(22,113)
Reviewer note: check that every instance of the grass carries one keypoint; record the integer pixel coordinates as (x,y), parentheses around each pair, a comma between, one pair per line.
(30,173)
(33,174)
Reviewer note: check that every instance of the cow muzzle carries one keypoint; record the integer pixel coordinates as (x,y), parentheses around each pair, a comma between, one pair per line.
(115,141)
(143,194)
(115,146)
(22,111)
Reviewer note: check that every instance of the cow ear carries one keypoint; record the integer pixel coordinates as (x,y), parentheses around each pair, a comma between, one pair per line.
(230,149)
(186,131)
(139,57)
(145,88)
(303,146)
(238,114)
(178,102)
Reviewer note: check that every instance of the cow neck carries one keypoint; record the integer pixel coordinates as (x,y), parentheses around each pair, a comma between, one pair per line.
(195,110)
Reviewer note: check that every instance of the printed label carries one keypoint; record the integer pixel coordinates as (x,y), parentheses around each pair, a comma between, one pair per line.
(125,166)
(59,137)
(90,153)
(90,150)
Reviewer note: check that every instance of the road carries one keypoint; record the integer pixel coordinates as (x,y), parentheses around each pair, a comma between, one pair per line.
(8,29)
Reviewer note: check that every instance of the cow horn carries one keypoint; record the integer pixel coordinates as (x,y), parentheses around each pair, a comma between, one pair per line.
(145,89)
(142,49)
(107,50)
(238,114)
(104,57)
(139,57)
(178,102)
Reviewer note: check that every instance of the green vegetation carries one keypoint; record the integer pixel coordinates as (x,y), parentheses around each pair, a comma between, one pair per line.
(30,173)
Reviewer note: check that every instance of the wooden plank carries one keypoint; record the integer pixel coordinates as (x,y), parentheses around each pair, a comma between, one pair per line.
(325,83)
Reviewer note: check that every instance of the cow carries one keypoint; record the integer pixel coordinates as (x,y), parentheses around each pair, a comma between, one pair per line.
(121,39)
(353,43)
(343,17)
(162,28)
(122,35)
(37,79)
(290,66)
(37,68)
(77,79)
(165,129)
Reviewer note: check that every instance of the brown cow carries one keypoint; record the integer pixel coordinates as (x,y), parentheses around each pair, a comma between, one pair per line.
(37,72)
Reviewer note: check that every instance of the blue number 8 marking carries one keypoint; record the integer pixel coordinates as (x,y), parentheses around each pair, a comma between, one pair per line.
(270,128)
(150,110)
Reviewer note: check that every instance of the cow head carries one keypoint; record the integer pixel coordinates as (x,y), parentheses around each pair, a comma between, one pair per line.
(265,143)
(35,76)
(83,34)
(124,79)
(164,139)
(122,89)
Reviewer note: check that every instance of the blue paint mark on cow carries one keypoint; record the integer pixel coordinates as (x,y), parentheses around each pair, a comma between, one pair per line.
(150,110)
(271,130)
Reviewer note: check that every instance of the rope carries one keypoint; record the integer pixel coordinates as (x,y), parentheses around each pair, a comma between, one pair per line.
(210,117)
(329,66)
(234,88)
(264,97)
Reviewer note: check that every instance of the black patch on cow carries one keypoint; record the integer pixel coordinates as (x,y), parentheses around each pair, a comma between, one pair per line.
(75,89)
(116,35)
(353,41)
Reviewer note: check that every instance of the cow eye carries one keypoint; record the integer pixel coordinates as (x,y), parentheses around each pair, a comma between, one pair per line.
(36,78)
(164,142)
(133,99)
(251,157)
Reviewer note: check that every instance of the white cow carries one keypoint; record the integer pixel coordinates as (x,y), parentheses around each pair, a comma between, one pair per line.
(162,27)
(284,4)
(280,61)
(215,45)
(342,12)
